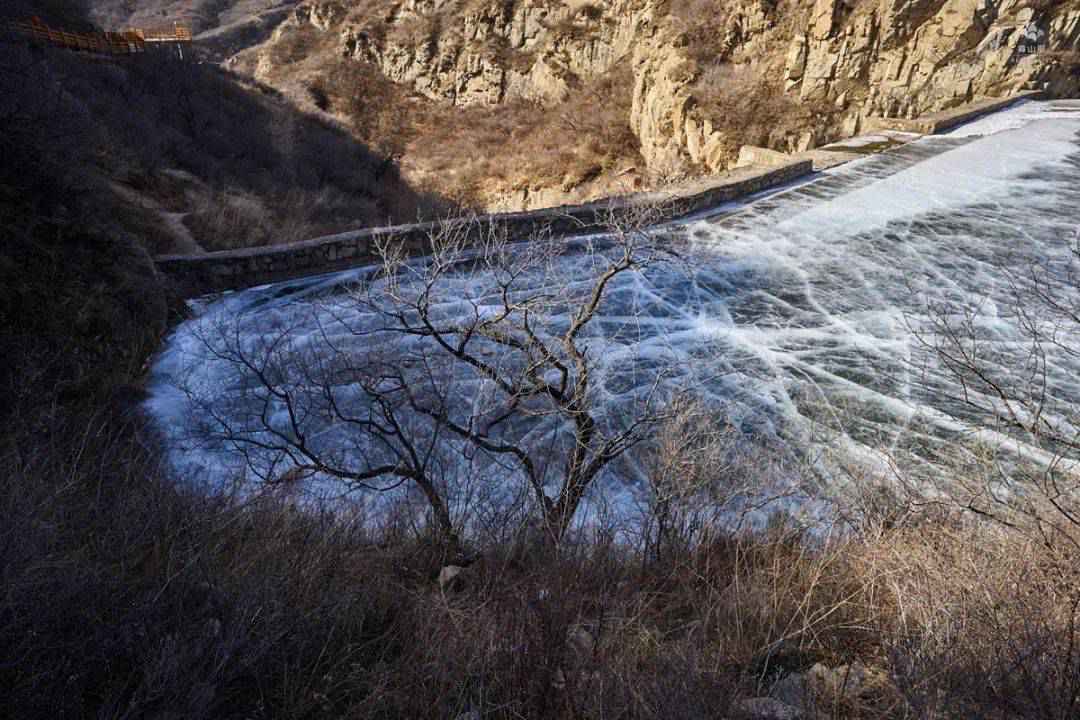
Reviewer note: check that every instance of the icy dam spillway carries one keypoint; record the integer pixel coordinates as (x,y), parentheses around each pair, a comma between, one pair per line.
(795,315)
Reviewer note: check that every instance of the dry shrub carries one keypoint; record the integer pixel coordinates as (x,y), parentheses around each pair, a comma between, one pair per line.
(594,633)
(538,636)
(705,25)
(416,30)
(235,218)
(126,595)
(522,144)
(294,46)
(472,154)
(232,219)
(1068,59)
(378,111)
(751,108)
(776,601)
(985,622)
(162,600)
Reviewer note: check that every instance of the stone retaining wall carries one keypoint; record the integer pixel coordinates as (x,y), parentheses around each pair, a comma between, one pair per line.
(754,156)
(948,119)
(193,275)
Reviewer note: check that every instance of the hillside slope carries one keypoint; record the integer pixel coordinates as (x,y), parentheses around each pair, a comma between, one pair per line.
(106,164)
(221,27)
(185,155)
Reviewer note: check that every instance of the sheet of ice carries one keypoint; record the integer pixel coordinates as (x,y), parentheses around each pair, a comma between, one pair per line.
(1017,116)
(965,175)
(792,315)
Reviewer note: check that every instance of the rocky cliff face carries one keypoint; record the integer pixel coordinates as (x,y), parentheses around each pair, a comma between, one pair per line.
(706,75)
(849,62)
(902,58)
(489,52)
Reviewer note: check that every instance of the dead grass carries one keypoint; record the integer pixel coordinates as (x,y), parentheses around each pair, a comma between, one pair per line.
(482,152)
(165,600)
(474,155)
(983,622)
(750,108)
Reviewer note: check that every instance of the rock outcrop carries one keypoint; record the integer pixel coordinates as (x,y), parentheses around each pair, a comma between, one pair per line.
(893,58)
(487,53)
(664,114)
(787,75)
(899,58)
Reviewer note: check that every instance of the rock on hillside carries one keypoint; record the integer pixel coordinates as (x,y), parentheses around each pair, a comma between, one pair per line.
(904,58)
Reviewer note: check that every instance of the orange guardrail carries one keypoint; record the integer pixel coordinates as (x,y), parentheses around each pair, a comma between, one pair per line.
(126,42)
(178,33)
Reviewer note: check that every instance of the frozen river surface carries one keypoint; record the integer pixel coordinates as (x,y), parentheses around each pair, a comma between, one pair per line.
(794,315)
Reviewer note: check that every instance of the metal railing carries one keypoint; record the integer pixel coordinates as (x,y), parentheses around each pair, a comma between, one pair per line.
(131,41)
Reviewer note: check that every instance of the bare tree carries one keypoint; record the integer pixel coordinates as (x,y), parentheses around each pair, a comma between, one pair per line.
(705,476)
(480,362)
(1009,374)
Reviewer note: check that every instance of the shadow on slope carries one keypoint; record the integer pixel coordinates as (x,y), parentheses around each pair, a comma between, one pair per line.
(108,163)
(183,155)
(67,13)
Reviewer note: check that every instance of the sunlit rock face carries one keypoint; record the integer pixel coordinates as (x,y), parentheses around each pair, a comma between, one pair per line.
(685,83)
(850,60)
(794,317)
(485,54)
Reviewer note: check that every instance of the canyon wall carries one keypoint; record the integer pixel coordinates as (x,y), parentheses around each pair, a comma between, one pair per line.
(707,76)
(893,58)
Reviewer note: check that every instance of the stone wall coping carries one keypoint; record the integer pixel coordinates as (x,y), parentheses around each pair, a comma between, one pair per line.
(689,191)
(194,275)
(947,119)
(251,266)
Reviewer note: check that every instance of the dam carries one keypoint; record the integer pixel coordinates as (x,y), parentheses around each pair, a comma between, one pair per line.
(802,317)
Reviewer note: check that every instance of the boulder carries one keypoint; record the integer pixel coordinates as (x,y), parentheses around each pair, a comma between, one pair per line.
(823,18)
(766,708)
(450,577)
(795,63)
(750,155)
(819,684)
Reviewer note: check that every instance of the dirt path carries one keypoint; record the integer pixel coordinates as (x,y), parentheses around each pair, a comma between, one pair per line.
(172,222)
(185,243)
